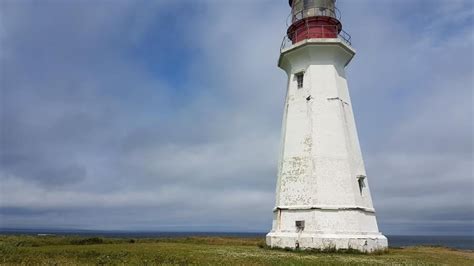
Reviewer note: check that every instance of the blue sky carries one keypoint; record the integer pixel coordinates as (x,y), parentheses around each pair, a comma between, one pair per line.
(166,115)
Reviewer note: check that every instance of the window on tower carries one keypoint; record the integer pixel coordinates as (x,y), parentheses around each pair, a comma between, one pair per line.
(299,79)
(299,225)
(360,180)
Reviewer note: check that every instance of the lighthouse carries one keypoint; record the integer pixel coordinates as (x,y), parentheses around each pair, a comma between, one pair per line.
(323,199)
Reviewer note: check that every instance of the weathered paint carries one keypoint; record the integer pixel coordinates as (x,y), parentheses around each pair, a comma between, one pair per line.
(321,161)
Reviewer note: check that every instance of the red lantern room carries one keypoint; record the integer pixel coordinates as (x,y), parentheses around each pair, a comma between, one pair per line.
(314,19)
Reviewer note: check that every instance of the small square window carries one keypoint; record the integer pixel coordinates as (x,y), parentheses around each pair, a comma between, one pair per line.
(299,225)
(299,79)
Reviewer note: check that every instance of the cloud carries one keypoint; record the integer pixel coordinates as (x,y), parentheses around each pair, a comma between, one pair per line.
(167,116)
(418,93)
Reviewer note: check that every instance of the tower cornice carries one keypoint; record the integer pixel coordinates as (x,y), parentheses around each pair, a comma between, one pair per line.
(341,52)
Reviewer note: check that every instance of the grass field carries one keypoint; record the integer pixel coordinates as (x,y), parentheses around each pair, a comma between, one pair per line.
(67,250)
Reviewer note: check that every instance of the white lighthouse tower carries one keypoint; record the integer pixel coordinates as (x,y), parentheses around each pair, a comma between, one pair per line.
(322,197)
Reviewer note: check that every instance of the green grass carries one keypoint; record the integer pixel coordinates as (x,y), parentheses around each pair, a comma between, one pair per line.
(67,250)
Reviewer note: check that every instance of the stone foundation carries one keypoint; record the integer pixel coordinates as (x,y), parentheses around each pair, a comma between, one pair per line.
(364,243)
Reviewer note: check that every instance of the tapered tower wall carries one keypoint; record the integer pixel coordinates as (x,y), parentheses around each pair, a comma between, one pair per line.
(321,161)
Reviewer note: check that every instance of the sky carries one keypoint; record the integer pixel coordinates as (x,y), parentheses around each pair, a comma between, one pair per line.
(166,115)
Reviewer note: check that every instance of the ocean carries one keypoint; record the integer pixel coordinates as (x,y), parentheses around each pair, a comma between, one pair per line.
(456,242)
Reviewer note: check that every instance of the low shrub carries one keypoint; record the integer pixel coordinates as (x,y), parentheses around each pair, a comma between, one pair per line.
(87,241)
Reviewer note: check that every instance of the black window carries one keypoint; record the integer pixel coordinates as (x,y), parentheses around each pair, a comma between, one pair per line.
(299,225)
(360,180)
(299,80)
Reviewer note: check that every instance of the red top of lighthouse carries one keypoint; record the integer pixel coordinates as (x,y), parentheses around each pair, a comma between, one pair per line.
(314,19)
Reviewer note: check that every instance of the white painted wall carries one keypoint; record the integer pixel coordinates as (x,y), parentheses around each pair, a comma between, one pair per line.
(321,160)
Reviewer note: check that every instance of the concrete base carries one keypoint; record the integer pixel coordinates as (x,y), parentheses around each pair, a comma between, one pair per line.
(305,240)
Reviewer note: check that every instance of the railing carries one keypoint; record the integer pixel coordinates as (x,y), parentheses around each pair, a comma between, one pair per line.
(315,32)
(313,12)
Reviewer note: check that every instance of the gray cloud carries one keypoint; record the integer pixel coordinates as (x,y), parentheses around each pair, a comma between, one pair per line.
(110,120)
